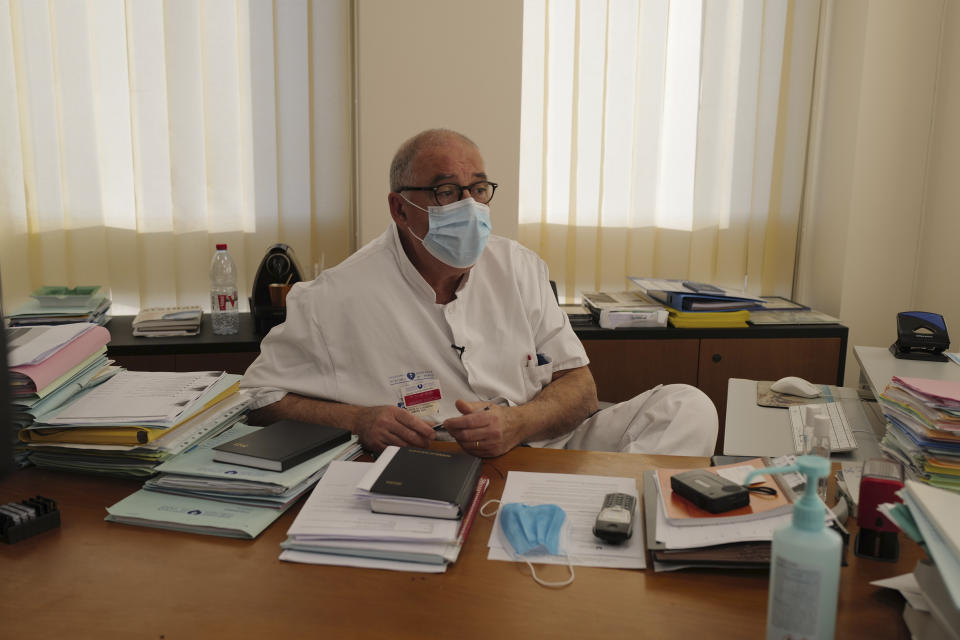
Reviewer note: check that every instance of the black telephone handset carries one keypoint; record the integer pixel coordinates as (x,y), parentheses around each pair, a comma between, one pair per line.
(615,520)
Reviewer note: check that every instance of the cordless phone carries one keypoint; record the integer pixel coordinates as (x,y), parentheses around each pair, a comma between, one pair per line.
(615,520)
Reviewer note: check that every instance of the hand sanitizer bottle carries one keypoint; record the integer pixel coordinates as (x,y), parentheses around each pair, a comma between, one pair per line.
(804,563)
(819,442)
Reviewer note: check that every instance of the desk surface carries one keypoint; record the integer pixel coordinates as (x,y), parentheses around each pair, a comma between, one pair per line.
(878,366)
(752,430)
(90,578)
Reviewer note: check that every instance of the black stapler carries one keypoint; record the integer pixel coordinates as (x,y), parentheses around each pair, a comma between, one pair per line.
(921,335)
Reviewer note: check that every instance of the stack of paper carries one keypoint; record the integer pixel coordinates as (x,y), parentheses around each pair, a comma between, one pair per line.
(62,305)
(923,429)
(168,321)
(624,309)
(196,473)
(133,422)
(51,365)
(737,539)
(931,517)
(194,493)
(336,526)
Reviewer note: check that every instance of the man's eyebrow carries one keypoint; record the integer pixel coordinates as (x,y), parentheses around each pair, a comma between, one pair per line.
(444,178)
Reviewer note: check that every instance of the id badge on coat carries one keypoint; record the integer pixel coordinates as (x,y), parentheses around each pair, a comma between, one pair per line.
(418,392)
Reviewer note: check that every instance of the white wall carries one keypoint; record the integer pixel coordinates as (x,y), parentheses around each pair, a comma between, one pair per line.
(937,286)
(422,64)
(868,173)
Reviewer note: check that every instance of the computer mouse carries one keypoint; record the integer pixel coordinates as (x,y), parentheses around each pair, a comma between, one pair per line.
(794,386)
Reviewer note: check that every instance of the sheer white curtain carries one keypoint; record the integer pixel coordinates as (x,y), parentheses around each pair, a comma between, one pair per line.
(665,138)
(134,135)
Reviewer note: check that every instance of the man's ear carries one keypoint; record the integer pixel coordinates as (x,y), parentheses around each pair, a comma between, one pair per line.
(396,208)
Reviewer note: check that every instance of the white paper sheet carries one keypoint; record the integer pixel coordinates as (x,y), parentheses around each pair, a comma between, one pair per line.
(580,497)
(139,397)
(308,557)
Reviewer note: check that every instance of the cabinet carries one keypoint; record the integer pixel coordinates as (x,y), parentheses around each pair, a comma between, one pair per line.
(627,362)
(202,352)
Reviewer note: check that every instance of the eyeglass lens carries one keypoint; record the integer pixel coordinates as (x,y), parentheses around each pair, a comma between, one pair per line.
(482,192)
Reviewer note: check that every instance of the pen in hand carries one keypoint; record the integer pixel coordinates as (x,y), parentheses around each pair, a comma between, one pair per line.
(440,425)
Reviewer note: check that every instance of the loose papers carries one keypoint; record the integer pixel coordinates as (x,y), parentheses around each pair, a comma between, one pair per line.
(580,497)
(141,397)
(336,526)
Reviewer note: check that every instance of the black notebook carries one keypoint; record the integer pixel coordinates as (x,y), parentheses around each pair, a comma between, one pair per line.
(422,482)
(281,445)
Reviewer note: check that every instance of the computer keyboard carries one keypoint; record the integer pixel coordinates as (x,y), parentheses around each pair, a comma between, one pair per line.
(841,435)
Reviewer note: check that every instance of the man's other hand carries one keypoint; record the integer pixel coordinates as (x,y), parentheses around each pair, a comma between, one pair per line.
(483,429)
(380,427)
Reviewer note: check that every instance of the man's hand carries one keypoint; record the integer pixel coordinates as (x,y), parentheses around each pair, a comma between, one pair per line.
(483,430)
(379,427)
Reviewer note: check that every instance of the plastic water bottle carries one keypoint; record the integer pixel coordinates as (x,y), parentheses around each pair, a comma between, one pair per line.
(223,293)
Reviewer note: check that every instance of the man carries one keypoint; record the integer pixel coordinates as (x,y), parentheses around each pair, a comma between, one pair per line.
(437,322)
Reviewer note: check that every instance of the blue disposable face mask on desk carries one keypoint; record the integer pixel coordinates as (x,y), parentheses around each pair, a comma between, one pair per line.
(535,529)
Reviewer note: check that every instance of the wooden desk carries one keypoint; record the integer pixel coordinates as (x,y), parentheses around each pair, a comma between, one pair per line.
(93,579)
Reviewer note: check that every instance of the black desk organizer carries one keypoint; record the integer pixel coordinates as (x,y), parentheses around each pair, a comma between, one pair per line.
(45,516)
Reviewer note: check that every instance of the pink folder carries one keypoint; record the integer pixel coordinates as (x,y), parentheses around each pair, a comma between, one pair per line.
(945,392)
(72,354)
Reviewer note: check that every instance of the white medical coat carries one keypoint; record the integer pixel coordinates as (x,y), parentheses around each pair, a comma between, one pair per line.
(373,319)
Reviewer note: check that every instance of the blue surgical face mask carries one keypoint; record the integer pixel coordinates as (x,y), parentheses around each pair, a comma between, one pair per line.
(532,528)
(458,232)
(535,530)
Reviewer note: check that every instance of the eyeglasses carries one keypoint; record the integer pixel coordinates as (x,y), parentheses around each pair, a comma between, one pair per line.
(448,192)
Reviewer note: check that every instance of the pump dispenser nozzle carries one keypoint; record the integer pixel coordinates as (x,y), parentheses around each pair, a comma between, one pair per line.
(809,512)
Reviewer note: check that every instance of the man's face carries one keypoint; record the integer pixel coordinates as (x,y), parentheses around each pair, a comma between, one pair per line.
(455,162)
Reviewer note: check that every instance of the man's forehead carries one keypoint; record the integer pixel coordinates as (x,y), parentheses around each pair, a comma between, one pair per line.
(449,162)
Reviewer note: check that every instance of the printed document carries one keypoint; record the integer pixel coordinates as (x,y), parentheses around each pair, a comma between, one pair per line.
(580,497)
(140,397)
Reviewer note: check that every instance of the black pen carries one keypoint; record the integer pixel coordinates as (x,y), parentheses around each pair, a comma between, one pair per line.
(437,427)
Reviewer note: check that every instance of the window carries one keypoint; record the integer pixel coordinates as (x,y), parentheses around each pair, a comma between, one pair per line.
(665,138)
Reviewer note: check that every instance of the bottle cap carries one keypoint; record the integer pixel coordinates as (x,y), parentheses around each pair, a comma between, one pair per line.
(221,247)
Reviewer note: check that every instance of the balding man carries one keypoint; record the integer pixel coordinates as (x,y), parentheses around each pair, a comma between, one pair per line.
(438,322)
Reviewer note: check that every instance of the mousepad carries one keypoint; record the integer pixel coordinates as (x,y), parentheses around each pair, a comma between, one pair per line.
(768,398)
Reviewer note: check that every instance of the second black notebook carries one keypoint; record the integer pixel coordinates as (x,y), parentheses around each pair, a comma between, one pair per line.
(281,445)
(422,482)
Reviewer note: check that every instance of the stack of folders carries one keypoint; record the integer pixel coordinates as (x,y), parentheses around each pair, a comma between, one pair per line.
(347,521)
(168,321)
(923,429)
(699,305)
(129,424)
(624,309)
(681,535)
(62,305)
(931,517)
(197,494)
(50,366)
